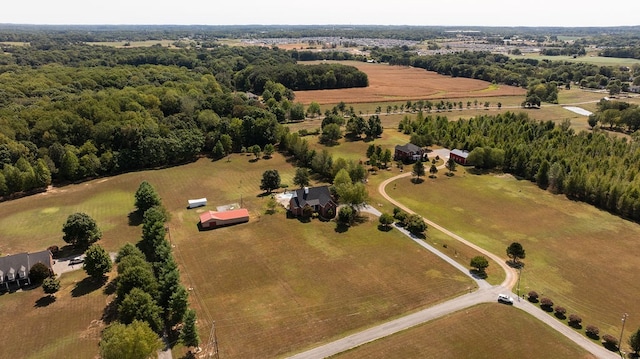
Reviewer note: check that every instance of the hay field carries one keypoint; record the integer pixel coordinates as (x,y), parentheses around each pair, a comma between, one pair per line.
(401,83)
(583,258)
(484,331)
(273,286)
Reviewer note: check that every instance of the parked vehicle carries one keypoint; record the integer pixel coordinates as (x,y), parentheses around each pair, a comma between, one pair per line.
(503,298)
(76,260)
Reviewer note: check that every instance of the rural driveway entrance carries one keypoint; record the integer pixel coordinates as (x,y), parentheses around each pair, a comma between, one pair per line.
(485,294)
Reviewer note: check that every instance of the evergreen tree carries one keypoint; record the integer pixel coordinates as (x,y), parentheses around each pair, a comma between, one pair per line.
(189,334)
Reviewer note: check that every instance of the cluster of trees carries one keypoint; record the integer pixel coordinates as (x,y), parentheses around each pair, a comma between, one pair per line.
(589,166)
(149,295)
(617,115)
(301,77)
(624,52)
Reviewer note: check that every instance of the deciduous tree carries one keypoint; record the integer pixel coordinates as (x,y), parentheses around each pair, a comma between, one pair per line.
(418,170)
(134,341)
(139,305)
(515,251)
(97,262)
(270,180)
(146,197)
(480,263)
(51,285)
(80,230)
(301,178)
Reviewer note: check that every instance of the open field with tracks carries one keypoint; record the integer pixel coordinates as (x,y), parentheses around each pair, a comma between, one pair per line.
(401,83)
(580,257)
(272,286)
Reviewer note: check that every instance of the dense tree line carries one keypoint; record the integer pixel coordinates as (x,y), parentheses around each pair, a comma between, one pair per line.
(148,285)
(624,52)
(301,77)
(589,166)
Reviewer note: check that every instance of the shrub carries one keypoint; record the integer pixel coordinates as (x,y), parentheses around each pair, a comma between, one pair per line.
(533,296)
(546,304)
(575,321)
(610,342)
(592,331)
(39,272)
(560,312)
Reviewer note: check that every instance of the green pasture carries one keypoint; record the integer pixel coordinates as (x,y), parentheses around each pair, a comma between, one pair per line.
(580,257)
(484,331)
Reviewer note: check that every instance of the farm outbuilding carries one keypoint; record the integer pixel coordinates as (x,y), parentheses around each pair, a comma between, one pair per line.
(459,156)
(213,219)
(200,202)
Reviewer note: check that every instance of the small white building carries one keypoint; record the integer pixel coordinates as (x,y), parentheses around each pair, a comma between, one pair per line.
(200,202)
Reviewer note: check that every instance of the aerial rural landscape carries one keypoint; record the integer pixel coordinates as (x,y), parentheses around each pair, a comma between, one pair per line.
(314,191)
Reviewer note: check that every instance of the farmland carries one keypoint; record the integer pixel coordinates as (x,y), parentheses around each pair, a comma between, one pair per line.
(398,83)
(256,279)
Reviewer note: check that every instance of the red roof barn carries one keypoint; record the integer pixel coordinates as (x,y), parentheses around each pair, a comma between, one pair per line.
(212,219)
(459,156)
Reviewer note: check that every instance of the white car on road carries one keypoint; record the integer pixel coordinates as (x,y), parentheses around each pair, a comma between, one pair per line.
(503,298)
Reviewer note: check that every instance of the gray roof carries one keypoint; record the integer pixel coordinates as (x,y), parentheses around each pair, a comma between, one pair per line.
(23,261)
(314,196)
(409,147)
(460,153)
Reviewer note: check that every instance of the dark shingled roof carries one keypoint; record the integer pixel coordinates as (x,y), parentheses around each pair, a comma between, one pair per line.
(26,260)
(315,196)
(409,147)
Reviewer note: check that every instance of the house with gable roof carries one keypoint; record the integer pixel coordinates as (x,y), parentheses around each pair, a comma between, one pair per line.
(14,269)
(317,199)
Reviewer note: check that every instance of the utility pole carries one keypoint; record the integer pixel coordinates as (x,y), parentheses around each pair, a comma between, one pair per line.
(624,319)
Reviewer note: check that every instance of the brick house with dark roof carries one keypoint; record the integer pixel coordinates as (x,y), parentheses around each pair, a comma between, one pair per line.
(15,268)
(408,152)
(318,199)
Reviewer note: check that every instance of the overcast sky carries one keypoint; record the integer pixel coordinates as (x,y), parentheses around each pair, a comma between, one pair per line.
(322,12)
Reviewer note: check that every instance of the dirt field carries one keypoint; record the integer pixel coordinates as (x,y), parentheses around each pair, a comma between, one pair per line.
(401,83)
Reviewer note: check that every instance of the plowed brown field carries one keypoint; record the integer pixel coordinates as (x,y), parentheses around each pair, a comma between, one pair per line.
(400,83)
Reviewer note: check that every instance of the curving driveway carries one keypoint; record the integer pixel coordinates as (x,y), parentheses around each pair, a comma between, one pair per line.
(486,293)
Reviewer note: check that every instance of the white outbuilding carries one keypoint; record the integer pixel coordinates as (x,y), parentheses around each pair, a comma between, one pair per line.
(200,202)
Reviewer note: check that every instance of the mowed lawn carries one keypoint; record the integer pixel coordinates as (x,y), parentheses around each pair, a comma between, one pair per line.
(484,331)
(277,285)
(273,286)
(583,258)
(69,327)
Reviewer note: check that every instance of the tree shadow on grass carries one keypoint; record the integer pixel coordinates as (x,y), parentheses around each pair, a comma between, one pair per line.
(110,288)
(135,218)
(478,274)
(417,180)
(87,286)
(384,228)
(110,312)
(44,301)
(341,227)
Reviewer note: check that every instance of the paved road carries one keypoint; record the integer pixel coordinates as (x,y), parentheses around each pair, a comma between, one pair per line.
(486,293)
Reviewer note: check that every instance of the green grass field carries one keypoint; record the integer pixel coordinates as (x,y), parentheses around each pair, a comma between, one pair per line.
(484,331)
(580,257)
